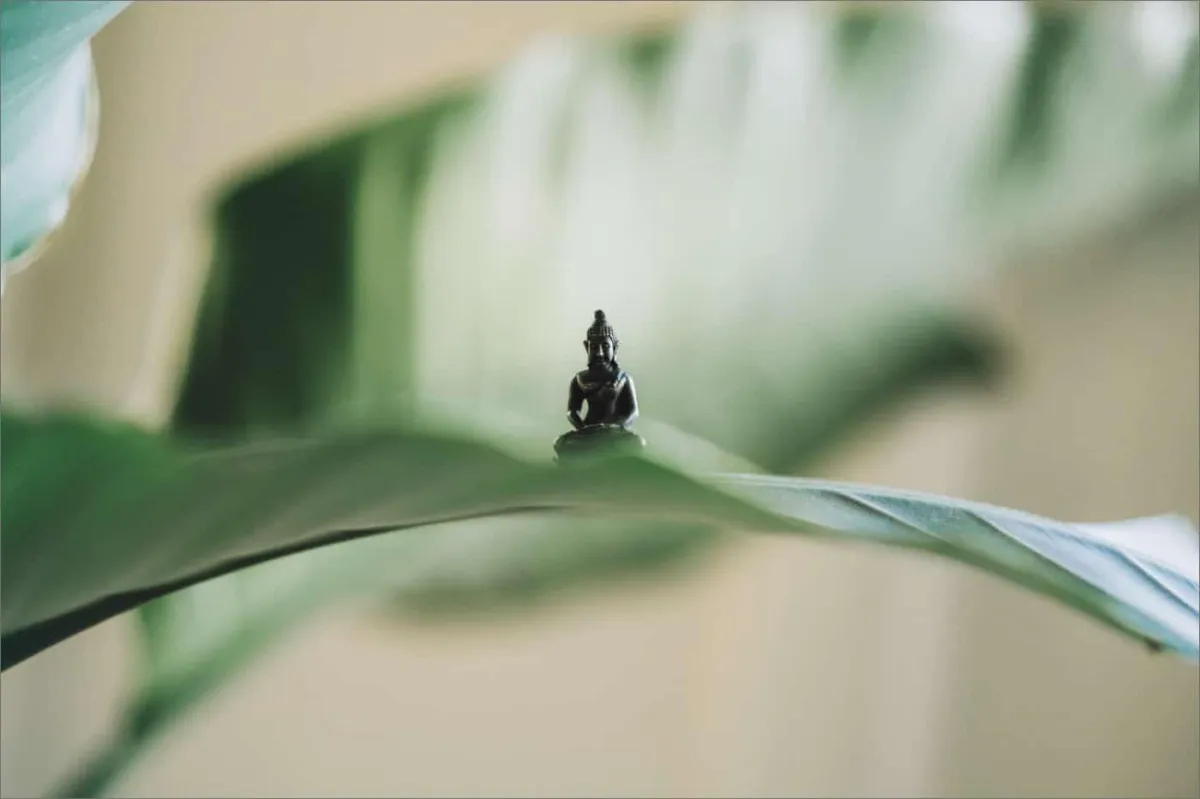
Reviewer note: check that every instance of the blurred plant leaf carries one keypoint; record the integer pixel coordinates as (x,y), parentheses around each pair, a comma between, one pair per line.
(1055,32)
(767,243)
(1185,100)
(48,108)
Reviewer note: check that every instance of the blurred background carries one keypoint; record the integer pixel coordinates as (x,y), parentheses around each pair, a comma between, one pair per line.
(781,201)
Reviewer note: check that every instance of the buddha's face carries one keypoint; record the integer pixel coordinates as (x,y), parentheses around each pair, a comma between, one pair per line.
(600,351)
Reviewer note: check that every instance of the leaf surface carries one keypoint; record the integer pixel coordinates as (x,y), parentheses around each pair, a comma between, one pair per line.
(197,515)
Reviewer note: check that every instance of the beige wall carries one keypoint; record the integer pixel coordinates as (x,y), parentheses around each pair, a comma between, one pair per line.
(780,668)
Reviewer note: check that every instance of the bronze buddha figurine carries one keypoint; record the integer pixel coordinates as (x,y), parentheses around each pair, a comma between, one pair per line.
(610,396)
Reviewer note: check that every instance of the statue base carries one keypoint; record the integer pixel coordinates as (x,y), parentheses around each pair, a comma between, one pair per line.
(597,441)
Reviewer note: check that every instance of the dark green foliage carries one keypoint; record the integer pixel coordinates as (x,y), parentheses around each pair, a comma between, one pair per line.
(1055,34)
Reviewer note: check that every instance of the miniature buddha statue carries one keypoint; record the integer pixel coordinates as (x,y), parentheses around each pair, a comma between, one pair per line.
(608,391)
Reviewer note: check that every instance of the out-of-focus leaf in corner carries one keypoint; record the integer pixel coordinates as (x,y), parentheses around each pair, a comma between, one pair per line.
(49,107)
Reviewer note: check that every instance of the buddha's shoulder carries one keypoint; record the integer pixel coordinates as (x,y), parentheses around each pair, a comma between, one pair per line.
(587,382)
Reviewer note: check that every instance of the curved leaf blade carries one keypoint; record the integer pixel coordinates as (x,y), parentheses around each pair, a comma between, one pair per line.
(250,504)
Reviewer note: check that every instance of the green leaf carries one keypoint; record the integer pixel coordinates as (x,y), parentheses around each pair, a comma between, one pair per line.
(228,508)
(48,108)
